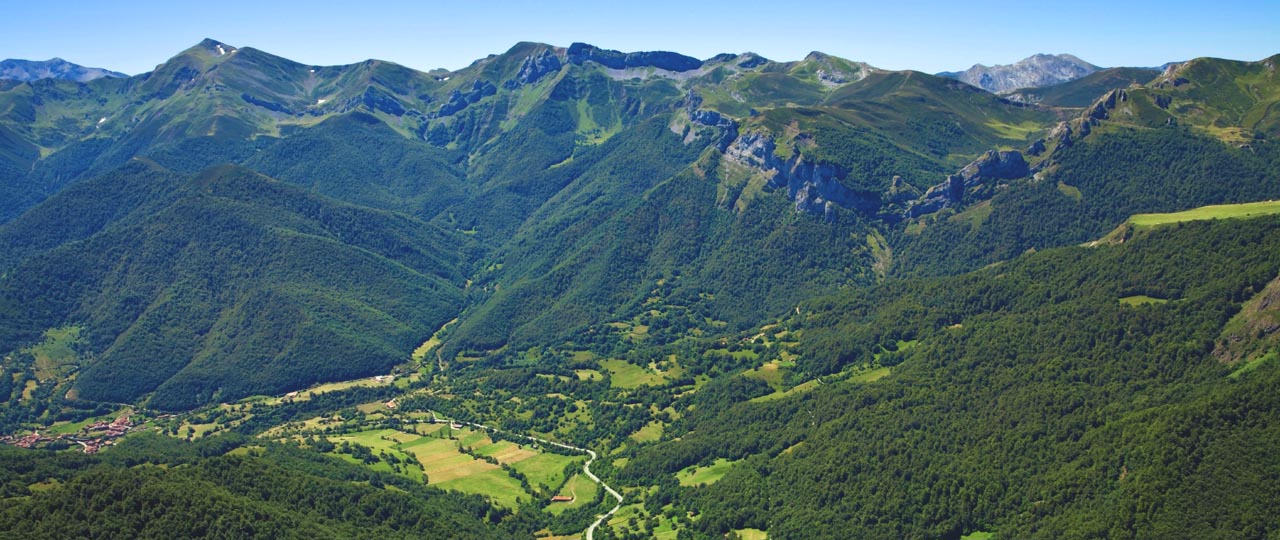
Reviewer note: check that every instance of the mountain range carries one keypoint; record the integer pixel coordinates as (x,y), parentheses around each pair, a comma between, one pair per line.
(56,68)
(558,185)
(893,303)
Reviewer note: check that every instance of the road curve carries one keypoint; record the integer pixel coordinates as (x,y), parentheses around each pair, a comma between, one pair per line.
(586,468)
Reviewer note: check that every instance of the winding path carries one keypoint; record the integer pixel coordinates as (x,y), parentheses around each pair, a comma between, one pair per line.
(586,467)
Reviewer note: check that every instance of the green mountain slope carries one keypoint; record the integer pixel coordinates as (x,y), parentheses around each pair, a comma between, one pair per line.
(1197,135)
(1033,401)
(358,159)
(226,274)
(581,187)
(1084,91)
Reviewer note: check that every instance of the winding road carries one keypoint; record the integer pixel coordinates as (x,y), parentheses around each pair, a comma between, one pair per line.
(586,467)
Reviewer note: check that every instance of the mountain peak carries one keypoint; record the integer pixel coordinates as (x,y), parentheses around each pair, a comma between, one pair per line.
(53,68)
(213,47)
(1037,70)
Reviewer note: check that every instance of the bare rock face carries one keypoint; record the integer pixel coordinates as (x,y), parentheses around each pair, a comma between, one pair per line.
(974,177)
(814,187)
(1033,72)
(459,100)
(535,68)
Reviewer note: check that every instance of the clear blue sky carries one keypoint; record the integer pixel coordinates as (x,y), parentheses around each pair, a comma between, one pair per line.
(927,35)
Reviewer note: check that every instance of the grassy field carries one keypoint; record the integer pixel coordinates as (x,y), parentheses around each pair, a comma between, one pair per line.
(1070,191)
(752,534)
(649,433)
(1252,365)
(870,375)
(581,488)
(693,476)
(975,216)
(544,470)
(1223,211)
(56,355)
(495,484)
(447,467)
(588,375)
(429,345)
(797,389)
(625,375)
(979,535)
(1140,299)
(59,428)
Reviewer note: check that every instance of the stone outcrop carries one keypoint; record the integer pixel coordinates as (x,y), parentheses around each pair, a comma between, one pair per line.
(1101,108)
(813,187)
(381,101)
(582,52)
(535,68)
(268,105)
(728,127)
(459,100)
(752,61)
(971,180)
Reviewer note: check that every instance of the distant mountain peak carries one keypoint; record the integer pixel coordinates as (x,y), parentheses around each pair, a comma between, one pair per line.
(1035,71)
(53,68)
(213,48)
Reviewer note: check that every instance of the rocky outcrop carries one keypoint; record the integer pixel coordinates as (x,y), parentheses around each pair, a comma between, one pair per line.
(582,52)
(1033,72)
(728,127)
(268,105)
(972,180)
(752,61)
(1101,108)
(813,187)
(459,100)
(378,100)
(535,68)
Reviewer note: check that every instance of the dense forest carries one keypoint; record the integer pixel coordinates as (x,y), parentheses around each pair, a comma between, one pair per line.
(1036,403)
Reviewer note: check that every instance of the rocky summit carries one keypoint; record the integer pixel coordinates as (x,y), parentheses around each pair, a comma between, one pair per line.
(1036,71)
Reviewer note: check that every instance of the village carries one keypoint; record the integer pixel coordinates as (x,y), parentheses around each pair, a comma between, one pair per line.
(91,438)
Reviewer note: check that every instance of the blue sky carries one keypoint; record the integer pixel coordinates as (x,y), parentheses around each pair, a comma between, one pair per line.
(895,34)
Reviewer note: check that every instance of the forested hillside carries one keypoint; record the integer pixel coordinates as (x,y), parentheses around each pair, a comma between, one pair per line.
(1071,393)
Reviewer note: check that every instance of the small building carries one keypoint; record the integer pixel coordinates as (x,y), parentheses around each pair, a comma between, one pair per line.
(561,498)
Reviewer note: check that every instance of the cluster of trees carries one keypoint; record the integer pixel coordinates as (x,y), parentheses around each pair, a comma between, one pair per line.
(272,491)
